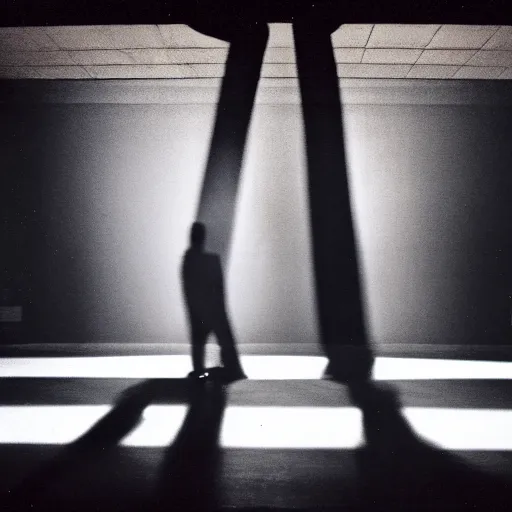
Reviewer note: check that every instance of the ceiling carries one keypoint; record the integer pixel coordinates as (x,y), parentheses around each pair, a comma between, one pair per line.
(178,52)
(228,12)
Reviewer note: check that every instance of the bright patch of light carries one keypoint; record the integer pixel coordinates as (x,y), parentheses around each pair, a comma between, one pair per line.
(62,424)
(141,367)
(284,367)
(463,429)
(292,427)
(256,367)
(158,427)
(44,424)
(262,427)
(424,369)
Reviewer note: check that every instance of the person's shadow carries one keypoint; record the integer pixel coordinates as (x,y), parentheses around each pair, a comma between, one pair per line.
(189,469)
(400,471)
(203,289)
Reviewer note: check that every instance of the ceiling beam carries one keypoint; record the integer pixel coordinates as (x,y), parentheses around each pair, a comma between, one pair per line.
(98,12)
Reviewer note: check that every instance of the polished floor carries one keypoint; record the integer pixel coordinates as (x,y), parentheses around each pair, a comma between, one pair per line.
(130,433)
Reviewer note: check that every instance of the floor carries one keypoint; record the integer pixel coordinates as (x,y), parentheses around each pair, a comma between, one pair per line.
(130,433)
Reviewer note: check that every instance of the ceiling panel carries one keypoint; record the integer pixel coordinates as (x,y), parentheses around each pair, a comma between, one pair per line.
(486,73)
(178,51)
(462,36)
(506,75)
(491,58)
(12,72)
(107,37)
(41,38)
(501,40)
(44,72)
(390,56)
(351,36)
(157,71)
(438,72)
(80,38)
(401,36)
(64,72)
(446,57)
(280,35)
(59,58)
(136,36)
(91,57)
(276,55)
(182,36)
(279,70)
(181,56)
(348,55)
(373,70)
(16,39)
(150,56)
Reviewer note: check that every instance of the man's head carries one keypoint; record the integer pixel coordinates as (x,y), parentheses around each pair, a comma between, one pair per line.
(197,235)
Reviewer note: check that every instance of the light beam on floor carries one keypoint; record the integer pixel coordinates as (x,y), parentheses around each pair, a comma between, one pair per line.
(263,427)
(256,367)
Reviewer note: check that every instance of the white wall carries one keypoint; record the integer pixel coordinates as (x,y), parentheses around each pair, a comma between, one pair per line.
(121,185)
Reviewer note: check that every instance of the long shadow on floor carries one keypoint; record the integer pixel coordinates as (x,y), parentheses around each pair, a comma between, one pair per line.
(106,433)
(397,470)
(400,471)
(189,463)
(189,473)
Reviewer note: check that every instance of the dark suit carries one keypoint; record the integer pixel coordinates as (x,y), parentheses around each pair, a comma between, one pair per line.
(203,289)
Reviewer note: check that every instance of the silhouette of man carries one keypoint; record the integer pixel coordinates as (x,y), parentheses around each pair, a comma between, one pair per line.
(203,288)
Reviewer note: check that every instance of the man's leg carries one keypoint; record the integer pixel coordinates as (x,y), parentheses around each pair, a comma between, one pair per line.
(199,334)
(228,351)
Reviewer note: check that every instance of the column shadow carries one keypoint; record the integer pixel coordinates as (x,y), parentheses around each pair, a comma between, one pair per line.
(236,101)
(335,255)
(32,493)
(191,466)
(204,292)
(399,471)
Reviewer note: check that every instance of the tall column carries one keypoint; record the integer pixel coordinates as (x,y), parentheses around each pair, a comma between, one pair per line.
(234,109)
(337,272)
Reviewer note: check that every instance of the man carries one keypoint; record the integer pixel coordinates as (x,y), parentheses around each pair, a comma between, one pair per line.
(203,288)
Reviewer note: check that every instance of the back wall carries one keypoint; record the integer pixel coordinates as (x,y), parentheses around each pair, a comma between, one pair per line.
(109,174)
